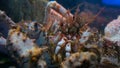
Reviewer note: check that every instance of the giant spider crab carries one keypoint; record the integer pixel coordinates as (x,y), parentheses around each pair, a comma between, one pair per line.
(58,21)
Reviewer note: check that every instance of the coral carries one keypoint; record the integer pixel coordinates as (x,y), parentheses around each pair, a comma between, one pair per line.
(78,59)
(22,45)
(112,31)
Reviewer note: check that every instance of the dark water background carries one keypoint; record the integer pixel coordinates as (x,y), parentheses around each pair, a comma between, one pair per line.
(13,8)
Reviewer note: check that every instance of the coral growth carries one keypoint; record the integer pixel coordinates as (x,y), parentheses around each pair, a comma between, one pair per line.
(70,41)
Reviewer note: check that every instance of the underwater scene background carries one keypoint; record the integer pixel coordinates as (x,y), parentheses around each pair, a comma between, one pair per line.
(59,33)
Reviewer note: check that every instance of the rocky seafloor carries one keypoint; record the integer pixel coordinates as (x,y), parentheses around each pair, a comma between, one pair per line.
(84,36)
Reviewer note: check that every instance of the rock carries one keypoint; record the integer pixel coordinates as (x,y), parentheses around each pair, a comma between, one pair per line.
(112,31)
(24,9)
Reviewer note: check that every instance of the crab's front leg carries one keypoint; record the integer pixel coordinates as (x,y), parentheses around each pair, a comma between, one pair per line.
(68,49)
(56,13)
(60,44)
(57,55)
(59,8)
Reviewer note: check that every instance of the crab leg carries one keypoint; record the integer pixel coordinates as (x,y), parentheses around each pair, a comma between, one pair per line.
(56,14)
(58,7)
(68,49)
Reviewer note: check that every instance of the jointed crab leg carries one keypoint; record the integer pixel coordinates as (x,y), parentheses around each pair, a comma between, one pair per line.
(59,8)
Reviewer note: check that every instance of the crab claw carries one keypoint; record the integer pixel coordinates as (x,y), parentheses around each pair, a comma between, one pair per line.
(68,49)
(57,49)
